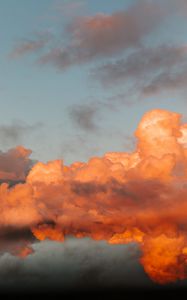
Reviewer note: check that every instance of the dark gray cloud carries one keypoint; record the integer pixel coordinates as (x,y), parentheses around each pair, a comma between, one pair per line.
(143,72)
(142,62)
(84,116)
(149,70)
(167,81)
(16,131)
(74,265)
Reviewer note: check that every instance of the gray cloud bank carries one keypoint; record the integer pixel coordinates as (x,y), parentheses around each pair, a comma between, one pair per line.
(74,265)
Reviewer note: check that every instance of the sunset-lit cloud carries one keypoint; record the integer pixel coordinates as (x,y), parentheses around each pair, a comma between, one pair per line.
(108,80)
(121,198)
(97,36)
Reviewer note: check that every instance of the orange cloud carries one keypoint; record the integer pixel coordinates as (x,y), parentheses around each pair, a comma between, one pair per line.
(121,198)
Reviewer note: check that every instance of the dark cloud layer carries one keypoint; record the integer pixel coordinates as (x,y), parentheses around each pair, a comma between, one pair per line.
(79,265)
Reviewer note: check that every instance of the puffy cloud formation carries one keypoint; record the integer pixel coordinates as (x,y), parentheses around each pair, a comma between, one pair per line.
(120,198)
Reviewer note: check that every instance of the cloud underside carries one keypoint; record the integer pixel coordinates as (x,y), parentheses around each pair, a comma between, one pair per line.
(74,267)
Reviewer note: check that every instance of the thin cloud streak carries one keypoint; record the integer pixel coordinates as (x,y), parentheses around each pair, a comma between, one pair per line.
(16,131)
(150,70)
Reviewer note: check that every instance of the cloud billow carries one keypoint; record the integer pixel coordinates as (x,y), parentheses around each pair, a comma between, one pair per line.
(122,197)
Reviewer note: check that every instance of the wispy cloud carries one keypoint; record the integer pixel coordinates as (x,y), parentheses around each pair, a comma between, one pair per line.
(90,37)
(84,116)
(104,35)
(149,69)
(16,131)
(30,45)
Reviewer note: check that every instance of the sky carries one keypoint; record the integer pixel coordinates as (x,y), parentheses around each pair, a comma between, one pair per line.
(73,112)
(93,143)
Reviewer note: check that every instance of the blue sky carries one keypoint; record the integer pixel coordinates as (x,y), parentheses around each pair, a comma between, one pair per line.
(43,96)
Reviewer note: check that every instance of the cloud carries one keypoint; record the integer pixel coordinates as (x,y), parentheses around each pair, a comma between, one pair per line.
(150,70)
(101,35)
(15,132)
(15,164)
(79,265)
(31,45)
(104,35)
(84,116)
(167,81)
(126,197)
(142,61)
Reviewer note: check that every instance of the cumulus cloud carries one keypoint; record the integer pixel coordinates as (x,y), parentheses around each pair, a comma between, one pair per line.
(124,197)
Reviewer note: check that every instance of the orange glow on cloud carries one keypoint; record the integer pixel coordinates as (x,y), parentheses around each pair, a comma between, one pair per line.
(121,198)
